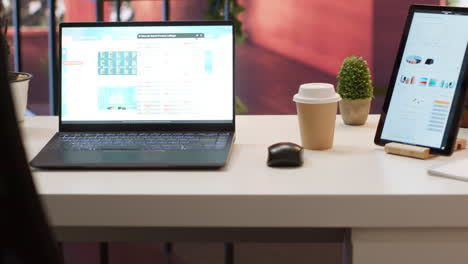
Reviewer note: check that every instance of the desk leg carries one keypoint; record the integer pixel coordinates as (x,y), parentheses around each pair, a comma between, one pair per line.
(347,249)
(410,245)
(228,253)
(168,248)
(60,248)
(104,253)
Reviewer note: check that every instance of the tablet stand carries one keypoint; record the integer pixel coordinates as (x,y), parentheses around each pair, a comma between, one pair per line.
(416,151)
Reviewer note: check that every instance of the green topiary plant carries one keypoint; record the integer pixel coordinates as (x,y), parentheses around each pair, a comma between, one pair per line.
(354,79)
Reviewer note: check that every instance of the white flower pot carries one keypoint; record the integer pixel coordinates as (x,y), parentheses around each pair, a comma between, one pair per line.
(355,112)
(19,90)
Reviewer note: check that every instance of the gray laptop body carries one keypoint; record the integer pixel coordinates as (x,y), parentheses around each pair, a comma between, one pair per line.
(144,95)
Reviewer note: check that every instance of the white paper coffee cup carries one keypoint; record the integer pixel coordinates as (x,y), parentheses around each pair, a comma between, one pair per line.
(316,93)
(317,105)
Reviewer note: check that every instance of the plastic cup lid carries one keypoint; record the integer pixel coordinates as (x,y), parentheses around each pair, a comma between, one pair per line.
(316,93)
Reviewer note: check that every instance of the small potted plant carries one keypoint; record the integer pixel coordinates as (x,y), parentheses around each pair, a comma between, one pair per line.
(356,90)
(19,81)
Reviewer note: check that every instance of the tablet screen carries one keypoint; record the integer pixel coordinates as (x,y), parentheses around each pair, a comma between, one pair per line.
(428,79)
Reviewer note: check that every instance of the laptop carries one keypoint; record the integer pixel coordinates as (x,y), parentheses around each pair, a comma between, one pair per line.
(144,95)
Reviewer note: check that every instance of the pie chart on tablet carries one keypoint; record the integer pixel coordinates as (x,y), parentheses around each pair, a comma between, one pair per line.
(413,59)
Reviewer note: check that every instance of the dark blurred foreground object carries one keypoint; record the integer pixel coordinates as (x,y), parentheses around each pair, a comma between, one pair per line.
(25,237)
(19,81)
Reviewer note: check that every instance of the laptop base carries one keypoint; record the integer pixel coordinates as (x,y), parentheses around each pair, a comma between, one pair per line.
(131,159)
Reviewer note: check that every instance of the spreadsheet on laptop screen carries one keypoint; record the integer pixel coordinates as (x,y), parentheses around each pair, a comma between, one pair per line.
(141,74)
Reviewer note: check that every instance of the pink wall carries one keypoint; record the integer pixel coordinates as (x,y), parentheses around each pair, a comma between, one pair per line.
(321,33)
(84,10)
(389,21)
(318,33)
(80,11)
(35,61)
(180,10)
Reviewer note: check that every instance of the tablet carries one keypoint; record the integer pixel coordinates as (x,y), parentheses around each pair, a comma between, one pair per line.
(427,89)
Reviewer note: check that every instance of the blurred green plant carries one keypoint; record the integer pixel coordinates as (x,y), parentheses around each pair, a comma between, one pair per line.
(354,79)
(216,12)
(452,2)
(3,32)
(3,18)
(241,108)
(380,90)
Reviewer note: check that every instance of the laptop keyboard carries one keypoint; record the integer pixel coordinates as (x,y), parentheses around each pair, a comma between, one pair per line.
(82,141)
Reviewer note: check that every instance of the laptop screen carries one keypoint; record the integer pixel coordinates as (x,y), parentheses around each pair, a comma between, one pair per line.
(147,73)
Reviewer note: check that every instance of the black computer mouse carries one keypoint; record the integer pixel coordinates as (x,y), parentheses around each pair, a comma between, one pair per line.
(285,154)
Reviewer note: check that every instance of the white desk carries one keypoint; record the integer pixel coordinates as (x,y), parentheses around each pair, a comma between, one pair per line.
(397,212)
